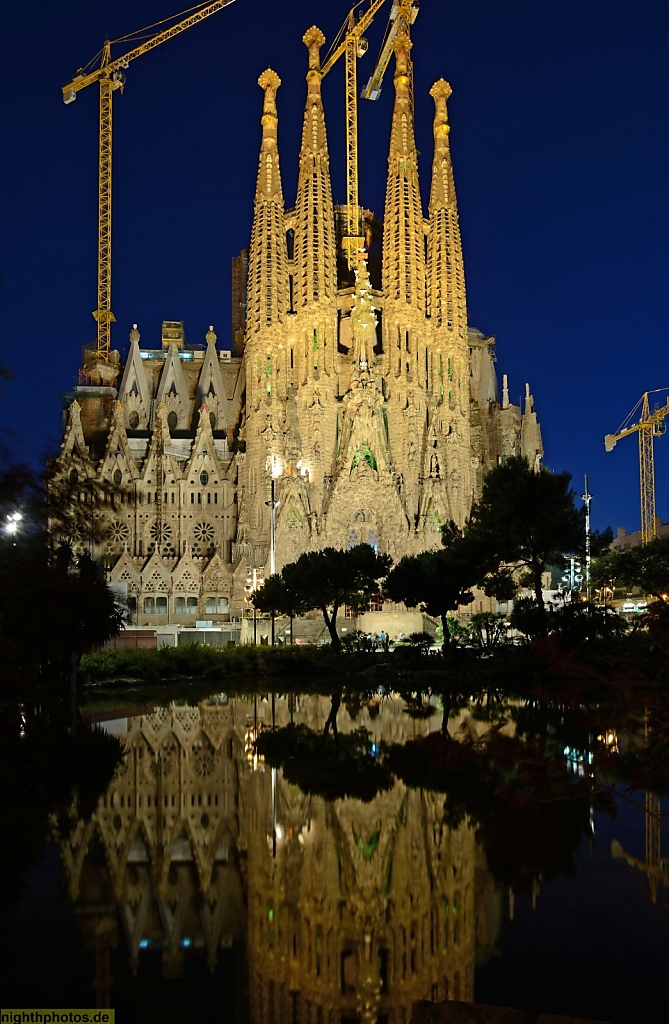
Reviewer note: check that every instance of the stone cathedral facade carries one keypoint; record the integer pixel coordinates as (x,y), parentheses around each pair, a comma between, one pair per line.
(361,402)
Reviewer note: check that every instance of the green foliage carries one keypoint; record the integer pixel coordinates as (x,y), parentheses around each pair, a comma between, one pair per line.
(645,566)
(484,631)
(53,605)
(326,580)
(526,518)
(439,581)
(200,662)
(279,596)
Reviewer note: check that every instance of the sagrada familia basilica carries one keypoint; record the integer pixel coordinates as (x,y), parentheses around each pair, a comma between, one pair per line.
(355,407)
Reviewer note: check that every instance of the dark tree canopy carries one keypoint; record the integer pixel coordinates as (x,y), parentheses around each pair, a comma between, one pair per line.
(527,518)
(326,580)
(645,566)
(53,606)
(435,581)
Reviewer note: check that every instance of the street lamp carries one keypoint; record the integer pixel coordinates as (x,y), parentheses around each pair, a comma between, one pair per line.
(13,523)
(253,584)
(275,468)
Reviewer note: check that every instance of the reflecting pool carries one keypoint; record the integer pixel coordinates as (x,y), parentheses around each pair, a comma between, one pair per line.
(309,858)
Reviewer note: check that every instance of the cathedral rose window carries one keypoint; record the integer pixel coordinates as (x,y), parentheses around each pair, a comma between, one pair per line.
(118,532)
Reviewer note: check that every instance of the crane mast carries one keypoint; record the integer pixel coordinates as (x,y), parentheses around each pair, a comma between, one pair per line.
(110,77)
(649,426)
(403,14)
(350,42)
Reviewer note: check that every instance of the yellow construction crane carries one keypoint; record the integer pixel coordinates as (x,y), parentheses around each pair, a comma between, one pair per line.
(649,426)
(403,12)
(109,74)
(350,41)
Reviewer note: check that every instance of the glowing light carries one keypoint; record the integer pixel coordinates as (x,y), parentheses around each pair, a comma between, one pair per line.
(13,523)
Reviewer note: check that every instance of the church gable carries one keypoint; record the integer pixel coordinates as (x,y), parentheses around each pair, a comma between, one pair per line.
(186,576)
(156,576)
(125,572)
(217,576)
(134,390)
(74,451)
(118,466)
(203,467)
(173,391)
(210,388)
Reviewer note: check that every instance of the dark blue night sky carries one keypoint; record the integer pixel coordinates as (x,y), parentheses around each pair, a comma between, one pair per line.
(561,155)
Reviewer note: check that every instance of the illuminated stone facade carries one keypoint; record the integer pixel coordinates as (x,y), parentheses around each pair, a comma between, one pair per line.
(342,910)
(371,405)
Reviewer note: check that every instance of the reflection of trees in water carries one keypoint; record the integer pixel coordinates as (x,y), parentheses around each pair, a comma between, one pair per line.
(340,850)
(49,773)
(364,904)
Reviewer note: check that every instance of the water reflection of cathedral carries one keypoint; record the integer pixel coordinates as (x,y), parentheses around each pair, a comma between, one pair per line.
(345,911)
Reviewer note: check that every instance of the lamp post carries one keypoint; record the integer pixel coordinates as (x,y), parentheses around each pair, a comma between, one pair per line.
(587,498)
(13,523)
(273,504)
(253,584)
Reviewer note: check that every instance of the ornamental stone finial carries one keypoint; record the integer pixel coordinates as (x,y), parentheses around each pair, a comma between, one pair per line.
(402,47)
(269,80)
(313,39)
(134,335)
(440,93)
(210,336)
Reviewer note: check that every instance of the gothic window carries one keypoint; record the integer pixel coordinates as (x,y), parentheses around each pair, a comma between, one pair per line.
(161,606)
(373,541)
(133,420)
(353,539)
(172,420)
(212,420)
(149,606)
(117,477)
(204,478)
(74,476)
(216,606)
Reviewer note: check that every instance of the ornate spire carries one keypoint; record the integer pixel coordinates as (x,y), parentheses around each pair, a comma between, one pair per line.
(315,250)
(446,277)
(268,278)
(403,235)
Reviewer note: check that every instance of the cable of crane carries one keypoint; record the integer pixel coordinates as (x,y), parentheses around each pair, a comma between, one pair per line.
(155,24)
(629,419)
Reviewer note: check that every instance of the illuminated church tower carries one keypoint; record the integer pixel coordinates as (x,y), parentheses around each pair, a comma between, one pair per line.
(353,408)
(371,415)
